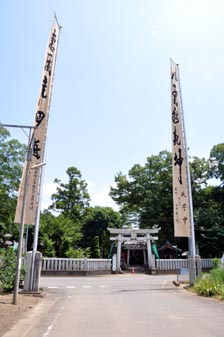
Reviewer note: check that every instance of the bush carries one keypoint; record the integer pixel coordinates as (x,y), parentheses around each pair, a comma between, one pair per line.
(79,253)
(216,263)
(211,284)
(218,275)
(7,268)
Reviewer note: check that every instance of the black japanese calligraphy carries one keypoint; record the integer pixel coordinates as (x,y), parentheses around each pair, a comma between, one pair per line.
(39,117)
(175,116)
(44,87)
(183,195)
(185,220)
(36,149)
(175,95)
(176,140)
(53,41)
(174,76)
(48,64)
(178,160)
(184,207)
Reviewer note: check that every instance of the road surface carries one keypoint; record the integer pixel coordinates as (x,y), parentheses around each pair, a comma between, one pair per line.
(130,305)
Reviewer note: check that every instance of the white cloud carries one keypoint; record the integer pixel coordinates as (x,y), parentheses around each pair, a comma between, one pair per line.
(48,190)
(101,197)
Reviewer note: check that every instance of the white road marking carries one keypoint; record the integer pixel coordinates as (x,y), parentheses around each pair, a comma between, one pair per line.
(103,286)
(48,332)
(87,286)
(74,287)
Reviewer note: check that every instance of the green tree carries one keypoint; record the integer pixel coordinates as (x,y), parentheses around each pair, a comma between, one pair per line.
(7,268)
(217,162)
(146,195)
(200,172)
(59,236)
(208,202)
(96,224)
(12,156)
(95,249)
(71,199)
(209,221)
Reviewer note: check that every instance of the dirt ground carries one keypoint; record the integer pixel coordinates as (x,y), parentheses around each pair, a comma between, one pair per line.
(10,314)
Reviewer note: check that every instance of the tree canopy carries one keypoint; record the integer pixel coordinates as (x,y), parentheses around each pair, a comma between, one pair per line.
(71,199)
(79,230)
(147,193)
(12,157)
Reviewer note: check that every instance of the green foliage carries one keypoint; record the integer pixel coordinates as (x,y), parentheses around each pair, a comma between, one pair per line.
(145,198)
(58,235)
(218,275)
(71,199)
(206,286)
(78,253)
(216,263)
(217,161)
(96,223)
(209,220)
(7,269)
(95,249)
(211,284)
(48,246)
(12,156)
(146,195)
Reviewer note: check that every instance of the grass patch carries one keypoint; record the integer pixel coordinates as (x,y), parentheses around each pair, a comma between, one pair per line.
(211,284)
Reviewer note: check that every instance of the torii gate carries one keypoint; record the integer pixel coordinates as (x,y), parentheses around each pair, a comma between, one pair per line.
(123,235)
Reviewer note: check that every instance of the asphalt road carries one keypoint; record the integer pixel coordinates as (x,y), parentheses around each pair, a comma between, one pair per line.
(123,306)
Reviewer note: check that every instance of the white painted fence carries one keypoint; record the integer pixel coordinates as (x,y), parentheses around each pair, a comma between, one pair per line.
(63,264)
(175,264)
(206,263)
(91,265)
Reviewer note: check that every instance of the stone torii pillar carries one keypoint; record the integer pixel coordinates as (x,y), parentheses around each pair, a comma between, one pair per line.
(149,250)
(119,242)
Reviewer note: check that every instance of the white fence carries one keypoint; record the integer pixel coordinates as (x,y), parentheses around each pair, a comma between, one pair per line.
(79,265)
(175,264)
(101,265)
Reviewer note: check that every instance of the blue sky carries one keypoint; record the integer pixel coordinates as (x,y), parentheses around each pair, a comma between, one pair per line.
(111,98)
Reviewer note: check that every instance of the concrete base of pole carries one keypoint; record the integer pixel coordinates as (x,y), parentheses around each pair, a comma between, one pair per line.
(192,270)
(37,271)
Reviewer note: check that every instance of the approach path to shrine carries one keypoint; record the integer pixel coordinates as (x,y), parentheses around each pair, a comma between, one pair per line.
(129,305)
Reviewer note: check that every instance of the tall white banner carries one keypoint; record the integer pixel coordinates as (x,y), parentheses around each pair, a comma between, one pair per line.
(182,221)
(37,145)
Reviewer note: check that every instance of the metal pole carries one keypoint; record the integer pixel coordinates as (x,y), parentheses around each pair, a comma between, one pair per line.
(20,243)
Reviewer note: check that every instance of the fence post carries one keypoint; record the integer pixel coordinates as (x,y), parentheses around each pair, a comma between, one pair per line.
(85,264)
